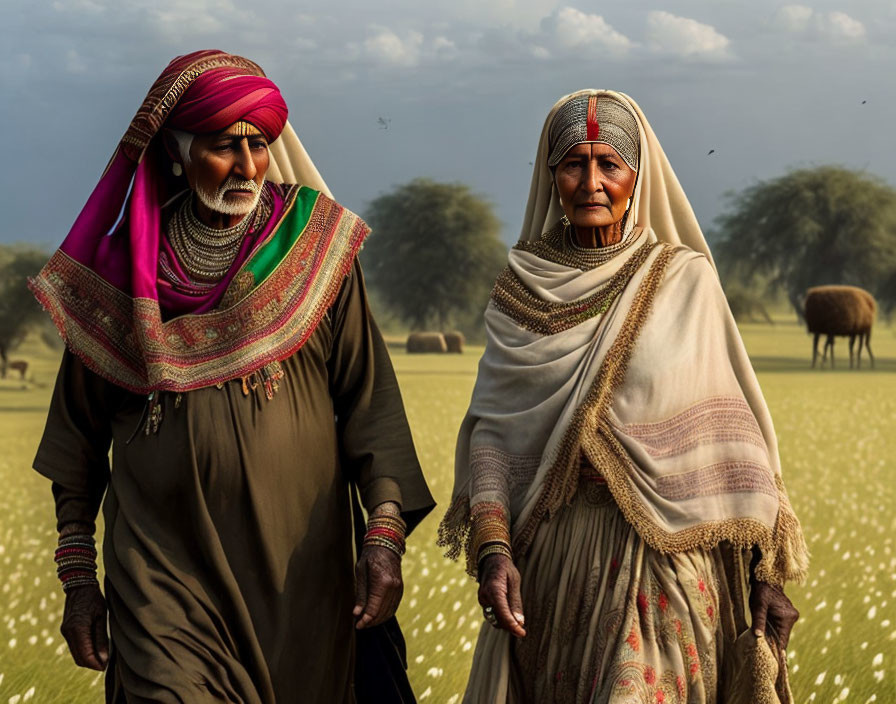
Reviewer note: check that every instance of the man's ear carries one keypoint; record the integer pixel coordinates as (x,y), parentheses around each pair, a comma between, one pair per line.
(171,146)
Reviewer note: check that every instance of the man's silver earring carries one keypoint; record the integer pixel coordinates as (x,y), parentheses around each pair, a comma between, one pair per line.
(177,169)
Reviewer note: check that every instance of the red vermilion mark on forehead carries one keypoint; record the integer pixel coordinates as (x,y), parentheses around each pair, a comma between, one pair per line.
(591,122)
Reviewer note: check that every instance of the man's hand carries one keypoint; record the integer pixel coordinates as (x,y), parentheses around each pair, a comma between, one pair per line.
(84,626)
(378,586)
(772,612)
(499,588)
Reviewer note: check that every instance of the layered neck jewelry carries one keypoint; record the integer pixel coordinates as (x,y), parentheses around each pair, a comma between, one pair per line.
(205,253)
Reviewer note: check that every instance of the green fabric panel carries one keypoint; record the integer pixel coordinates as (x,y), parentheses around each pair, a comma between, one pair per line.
(288,233)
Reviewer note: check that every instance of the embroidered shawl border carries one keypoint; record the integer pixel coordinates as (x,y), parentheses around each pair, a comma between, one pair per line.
(513,298)
(125,341)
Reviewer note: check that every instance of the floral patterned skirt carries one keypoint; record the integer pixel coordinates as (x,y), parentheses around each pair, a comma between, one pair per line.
(608,619)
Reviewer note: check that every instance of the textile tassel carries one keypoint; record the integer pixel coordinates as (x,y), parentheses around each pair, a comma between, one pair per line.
(271,375)
(268,377)
(154,416)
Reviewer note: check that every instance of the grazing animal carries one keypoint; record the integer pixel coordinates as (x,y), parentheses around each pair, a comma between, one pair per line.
(840,310)
(420,342)
(19,365)
(455,341)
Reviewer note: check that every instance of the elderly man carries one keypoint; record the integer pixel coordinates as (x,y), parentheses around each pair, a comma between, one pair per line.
(219,340)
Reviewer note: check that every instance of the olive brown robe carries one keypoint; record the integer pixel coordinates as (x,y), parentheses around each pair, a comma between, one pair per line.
(228,547)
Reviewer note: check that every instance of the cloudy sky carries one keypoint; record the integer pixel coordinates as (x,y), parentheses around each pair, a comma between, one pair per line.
(463,87)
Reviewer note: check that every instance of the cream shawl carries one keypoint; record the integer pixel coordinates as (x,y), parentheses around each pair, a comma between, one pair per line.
(627,357)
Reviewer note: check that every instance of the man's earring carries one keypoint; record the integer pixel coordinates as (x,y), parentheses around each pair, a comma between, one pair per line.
(177,169)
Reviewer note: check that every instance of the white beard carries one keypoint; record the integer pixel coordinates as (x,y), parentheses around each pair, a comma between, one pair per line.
(217,201)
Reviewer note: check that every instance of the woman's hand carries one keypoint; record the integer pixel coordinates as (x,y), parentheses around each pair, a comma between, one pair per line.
(378,586)
(84,626)
(773,613)
(499,588)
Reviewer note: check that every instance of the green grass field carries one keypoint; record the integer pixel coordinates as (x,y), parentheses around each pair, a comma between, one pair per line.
(837,432)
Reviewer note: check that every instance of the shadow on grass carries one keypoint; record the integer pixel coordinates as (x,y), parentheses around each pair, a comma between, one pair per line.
(794,364)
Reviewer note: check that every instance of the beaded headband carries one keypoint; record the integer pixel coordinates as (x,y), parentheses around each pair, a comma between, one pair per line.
(595,118)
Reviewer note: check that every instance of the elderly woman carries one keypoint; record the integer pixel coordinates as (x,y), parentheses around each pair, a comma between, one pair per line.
(618,491)
(219,340)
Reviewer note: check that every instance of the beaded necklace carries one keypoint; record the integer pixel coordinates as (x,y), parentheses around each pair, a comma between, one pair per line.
(205,253)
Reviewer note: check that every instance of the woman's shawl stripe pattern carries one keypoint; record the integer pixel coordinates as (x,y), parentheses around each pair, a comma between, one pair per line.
(271,308)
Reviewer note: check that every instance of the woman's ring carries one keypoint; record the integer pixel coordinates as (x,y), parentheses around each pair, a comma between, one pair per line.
(489,613)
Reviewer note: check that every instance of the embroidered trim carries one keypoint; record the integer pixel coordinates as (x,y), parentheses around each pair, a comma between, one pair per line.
(515,300)
(721,419)
(165,94)
(720,478)
(125,341)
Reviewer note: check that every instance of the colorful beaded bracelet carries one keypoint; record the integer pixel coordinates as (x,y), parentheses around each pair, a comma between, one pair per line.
(387,531)
(76,561)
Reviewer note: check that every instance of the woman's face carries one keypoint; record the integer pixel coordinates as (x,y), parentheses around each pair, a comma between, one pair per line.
(594,184)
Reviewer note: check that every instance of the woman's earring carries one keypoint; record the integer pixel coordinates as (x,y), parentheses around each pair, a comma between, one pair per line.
(565,220)
(628,204)
(177,169)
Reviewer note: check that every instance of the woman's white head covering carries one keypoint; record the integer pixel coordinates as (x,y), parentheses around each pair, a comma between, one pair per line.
(659,202)
(290,163)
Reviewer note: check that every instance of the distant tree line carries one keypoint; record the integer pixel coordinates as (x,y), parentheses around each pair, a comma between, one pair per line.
(810,227)
(19,310)
(433,255)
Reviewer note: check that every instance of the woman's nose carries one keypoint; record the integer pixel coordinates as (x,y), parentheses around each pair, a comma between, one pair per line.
(591,178)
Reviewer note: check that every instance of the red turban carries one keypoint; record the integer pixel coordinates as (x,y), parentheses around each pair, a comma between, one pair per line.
(222,96)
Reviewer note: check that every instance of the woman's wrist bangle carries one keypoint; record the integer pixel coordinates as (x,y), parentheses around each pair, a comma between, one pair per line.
(494,549)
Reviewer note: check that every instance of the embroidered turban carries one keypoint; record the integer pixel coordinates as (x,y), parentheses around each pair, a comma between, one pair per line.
(221,96)
(595,118)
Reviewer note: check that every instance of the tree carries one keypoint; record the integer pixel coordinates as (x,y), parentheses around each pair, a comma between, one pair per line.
(434,252)
(19,310)
(826,225)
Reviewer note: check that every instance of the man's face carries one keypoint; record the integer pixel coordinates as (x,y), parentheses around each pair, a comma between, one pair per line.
(227,169)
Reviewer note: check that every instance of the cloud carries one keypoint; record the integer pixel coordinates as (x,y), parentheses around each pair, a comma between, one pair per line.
(793,18)
(830,26)
(387,48)
(682,36)
(570,28)
(839,25)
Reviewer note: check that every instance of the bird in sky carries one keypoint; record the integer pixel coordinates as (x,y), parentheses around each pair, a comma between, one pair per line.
(384,122)
(864,101)
(711,151)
